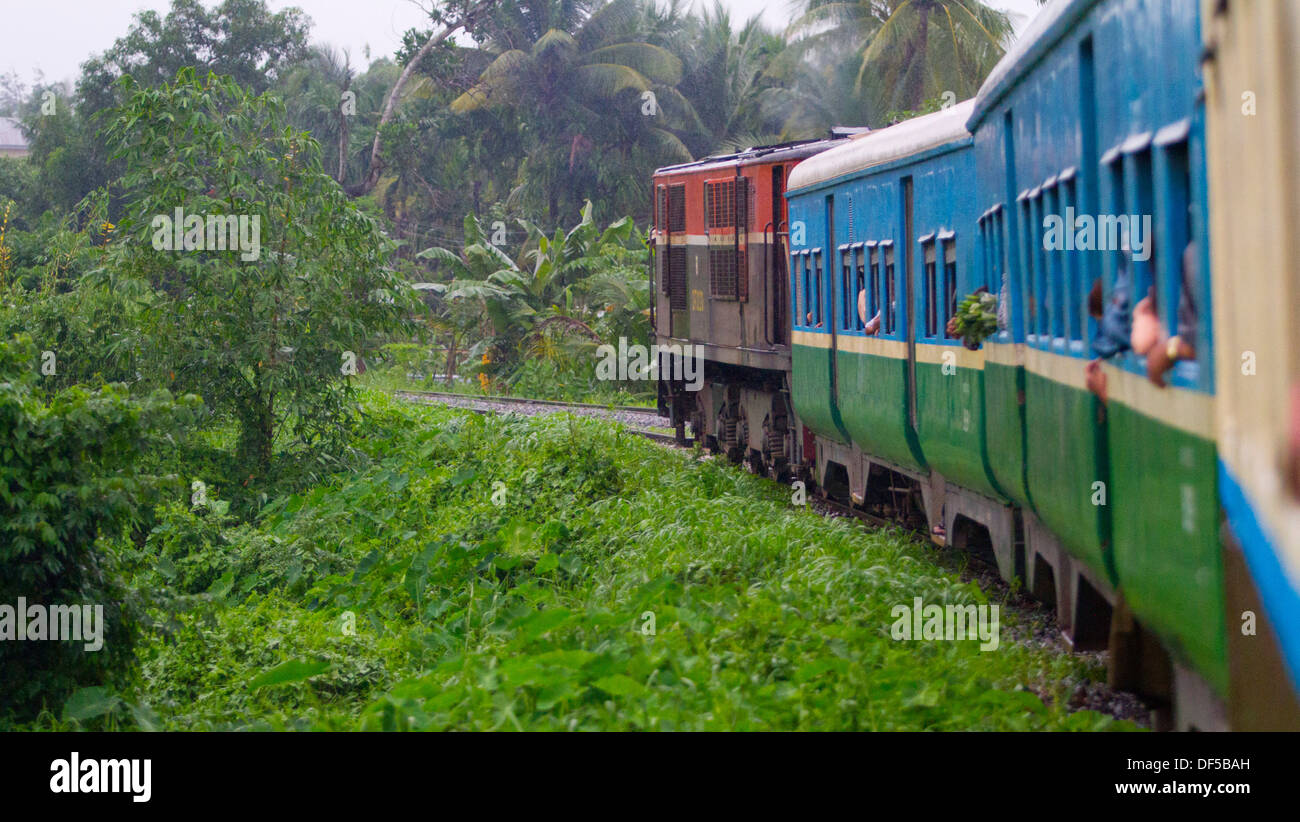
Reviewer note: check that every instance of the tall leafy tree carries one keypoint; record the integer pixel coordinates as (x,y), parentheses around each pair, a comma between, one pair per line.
(242,39)
(266,331)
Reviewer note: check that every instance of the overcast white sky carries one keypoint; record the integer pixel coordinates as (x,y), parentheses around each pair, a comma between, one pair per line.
(55,36)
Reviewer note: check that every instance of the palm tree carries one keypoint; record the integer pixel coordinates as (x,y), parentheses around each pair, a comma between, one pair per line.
(316,95)
(907,52)
(725,80)
(578,78)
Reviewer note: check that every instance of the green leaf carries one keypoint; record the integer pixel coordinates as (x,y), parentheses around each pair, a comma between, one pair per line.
(538,623)
(295,670)
(549,562)
(89,703)
(222,586)
(620,685)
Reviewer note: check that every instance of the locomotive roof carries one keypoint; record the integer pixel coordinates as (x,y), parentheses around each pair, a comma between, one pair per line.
(894,143)
(796,149)
(1048,26)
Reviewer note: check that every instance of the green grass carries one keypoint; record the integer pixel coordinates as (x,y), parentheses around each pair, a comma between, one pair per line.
(533,611)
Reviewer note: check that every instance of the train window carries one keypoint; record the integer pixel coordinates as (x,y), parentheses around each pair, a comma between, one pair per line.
(1142,246)
(929,286)
(1031,238)
(873,263)
(1003,274)
(847,294)
(860,286)
(661,207)
(949,280)
(1180,280)
(796,289)
(806,303)
(819,303)
(1115,264)
(1044,308)
(1055,263)
(677,208)
(1074,290)
(889,287)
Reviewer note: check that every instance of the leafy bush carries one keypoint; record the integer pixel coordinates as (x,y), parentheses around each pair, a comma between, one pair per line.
(67,477)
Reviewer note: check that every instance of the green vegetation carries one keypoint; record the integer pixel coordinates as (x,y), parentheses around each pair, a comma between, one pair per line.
(270,551)
(403,596)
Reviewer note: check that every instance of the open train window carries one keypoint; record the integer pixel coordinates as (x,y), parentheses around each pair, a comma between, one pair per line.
(1114,198)
(1031,236)
(1074,290)
(847,294)
(1043,307)
(1178,272)
(873,265)
(804,304)
(1141,241)
(1002,278)
(1182,286)
(929,288)
(890,312)
(860,283)
(819,304)
(1054,262)
(949,241)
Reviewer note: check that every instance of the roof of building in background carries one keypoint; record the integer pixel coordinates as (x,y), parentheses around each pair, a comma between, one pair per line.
(11,134)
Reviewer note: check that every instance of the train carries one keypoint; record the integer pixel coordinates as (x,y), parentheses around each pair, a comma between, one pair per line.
(1118,428)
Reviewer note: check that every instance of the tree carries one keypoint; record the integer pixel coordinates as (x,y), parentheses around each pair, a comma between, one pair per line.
(906,52)
(266,331)
(461,14)
(578,78)
(242,39)
(320,99)
(726,77)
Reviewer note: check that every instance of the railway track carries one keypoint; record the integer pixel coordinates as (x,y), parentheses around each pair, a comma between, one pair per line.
(638,419)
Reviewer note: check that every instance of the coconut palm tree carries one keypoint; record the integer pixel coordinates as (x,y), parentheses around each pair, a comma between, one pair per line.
(725,79)
(908,52)
(316,94)
(579,79)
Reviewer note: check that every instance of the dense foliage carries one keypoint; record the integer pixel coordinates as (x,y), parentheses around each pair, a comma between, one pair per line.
(486,573)
(272,553)
(269,330)
(68,473)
